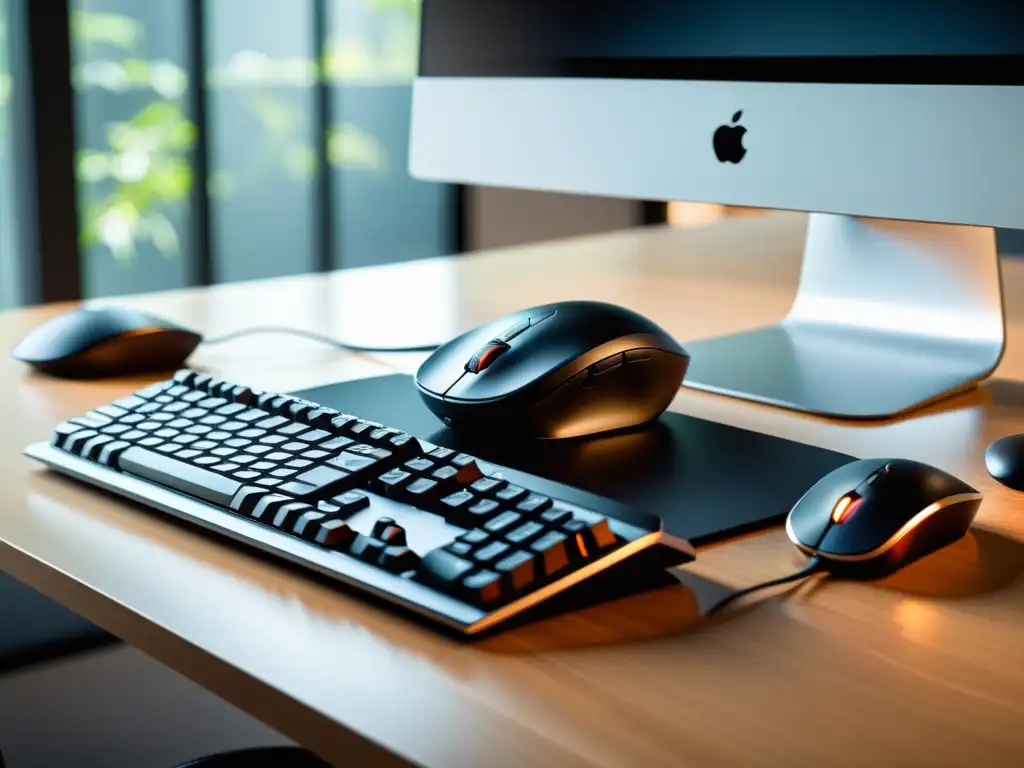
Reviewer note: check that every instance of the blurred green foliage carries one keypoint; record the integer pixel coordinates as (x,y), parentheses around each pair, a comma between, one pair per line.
(128,186)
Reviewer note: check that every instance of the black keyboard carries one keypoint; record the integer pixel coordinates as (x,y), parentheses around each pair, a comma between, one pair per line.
(463,541)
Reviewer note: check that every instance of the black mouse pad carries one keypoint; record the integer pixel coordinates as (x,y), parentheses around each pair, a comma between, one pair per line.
(707,481)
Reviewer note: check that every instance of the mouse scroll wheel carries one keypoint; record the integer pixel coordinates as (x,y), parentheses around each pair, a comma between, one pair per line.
(486,355)
(845,507)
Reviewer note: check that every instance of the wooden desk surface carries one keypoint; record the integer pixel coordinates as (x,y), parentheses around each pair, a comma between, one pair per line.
(924,668)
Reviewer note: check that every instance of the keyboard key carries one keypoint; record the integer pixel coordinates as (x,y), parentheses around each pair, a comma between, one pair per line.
(162,417)
(442,454)
(481,512)
(177,407)
(491,552)
(488,484)
(298,463)
(329,509)
(231,409)
(188,454)
(273,440)
(270,482)
(148,408)
(170,448)
(533,504)
(194,397)
(247,474)
(208,461)
(199,430)
(333,534)
(306,523)
(151,442)
(252,433)
(474,537)
(129,403)
(278,456)
(212,403)
(62,431)
(517,570)
(244,458)
(579,544)
(132,436)
(294,447)
(263,466)
(226,467)
(388,531)
(179,475)
(283,472)
(443,568)
(92,419)
(180,424)
(366,548)
(314,436)
(441,474)
(272,423)
(218,436)
(551,549)
(185,438)
(288,514)
(420,466)
(224,450)
(112,411)
(352,463)
(245,499)
(398,559)
(258,450)
(503,522)
(421,491)
(315,455)
(318,481)
(204,445)
(133,418)
(554,517)
(462,459)
(525,533)
(351,502)
(152,390)
(233,426)
(111,452)
(341,423)
(459,548)
(320,417)
(267,506)
(482,587)
(511,494)
(456,503)
(116,429)
(337,444)
(393,482)
(252,414)
(291,429)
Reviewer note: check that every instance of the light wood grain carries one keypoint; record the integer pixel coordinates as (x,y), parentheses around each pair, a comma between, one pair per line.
(924,668)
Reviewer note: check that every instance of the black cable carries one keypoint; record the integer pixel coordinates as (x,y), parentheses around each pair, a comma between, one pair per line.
(314,336)
(812,567)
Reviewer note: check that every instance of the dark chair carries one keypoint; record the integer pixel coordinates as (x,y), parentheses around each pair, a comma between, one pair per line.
(262,757)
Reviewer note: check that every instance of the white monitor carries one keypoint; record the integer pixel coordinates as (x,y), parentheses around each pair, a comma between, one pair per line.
(897,123)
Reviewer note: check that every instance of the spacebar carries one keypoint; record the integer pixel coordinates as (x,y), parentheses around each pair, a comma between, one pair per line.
(179,476)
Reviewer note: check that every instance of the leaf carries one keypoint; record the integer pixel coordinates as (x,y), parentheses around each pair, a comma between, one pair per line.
(737,116)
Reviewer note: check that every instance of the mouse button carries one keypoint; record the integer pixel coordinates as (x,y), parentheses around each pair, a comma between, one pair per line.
(487,354)
(513,330)
(606,365)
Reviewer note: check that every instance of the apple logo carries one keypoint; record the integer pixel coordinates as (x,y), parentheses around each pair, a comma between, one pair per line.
(728,141)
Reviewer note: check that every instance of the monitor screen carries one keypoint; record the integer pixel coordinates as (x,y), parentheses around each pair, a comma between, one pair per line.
(971,42)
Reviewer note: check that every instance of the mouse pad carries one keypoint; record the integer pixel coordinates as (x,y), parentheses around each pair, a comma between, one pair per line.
(707,481)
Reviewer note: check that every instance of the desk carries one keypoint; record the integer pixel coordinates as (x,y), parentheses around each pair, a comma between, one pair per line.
(924,668)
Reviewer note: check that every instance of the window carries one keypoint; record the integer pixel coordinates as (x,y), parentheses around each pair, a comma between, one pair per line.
(135,139)
(9,273)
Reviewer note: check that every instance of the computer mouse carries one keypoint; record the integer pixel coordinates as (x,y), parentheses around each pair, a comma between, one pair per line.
(105,342)
(872,517)
(1004,460)
(556,371)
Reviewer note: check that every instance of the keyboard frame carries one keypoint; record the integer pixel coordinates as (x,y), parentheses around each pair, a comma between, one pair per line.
(469,619)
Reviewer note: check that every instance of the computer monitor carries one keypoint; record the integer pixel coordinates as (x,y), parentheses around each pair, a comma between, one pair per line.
(899,124)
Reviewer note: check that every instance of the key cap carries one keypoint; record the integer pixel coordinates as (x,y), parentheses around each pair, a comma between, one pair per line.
(351,463)
(251,434)
(480,512)
(231,409)
(194,397)
(488,484)
(366,548)
(73,443)
(474,537)
(421,492)
(554,517)
(267,506)
(454,506)
(306,524)
(188,454)
(351,502)
(388,531)
(245,499)
(112,411)
(491,552)
(398,559)
(237,442)
(297,463)
(273,440)
(272,423)
(517,570)
(525,533)
(92,419)
(291,429)
(337,444)
(287,515)
(294,447)
(179,476)
(533,504)
(459,548)
(329,509)
(334,534)
(441,454)
(551,551)
(151,442)
(504,521)
(283,472)
(443,568)
(511,494)
(482,587)
(62,431)
(185,376)
(228,466)
(111,452)
(207,461)
(392,482)
(270,482)
(168,448)
(315,455)
(129,403)
(251,415)
(319,481)
(419,466)
(314,436)
(247,474)
(132,436)
(152,390)
(321,417)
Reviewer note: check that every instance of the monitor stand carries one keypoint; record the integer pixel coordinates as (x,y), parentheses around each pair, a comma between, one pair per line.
(888,316)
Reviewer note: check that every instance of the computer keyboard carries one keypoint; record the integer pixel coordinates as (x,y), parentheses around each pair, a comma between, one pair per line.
(465,542)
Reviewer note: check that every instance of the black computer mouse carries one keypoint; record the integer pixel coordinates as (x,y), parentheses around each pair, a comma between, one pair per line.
(106,342)
(560,370)
(872,517)
(1004,460)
